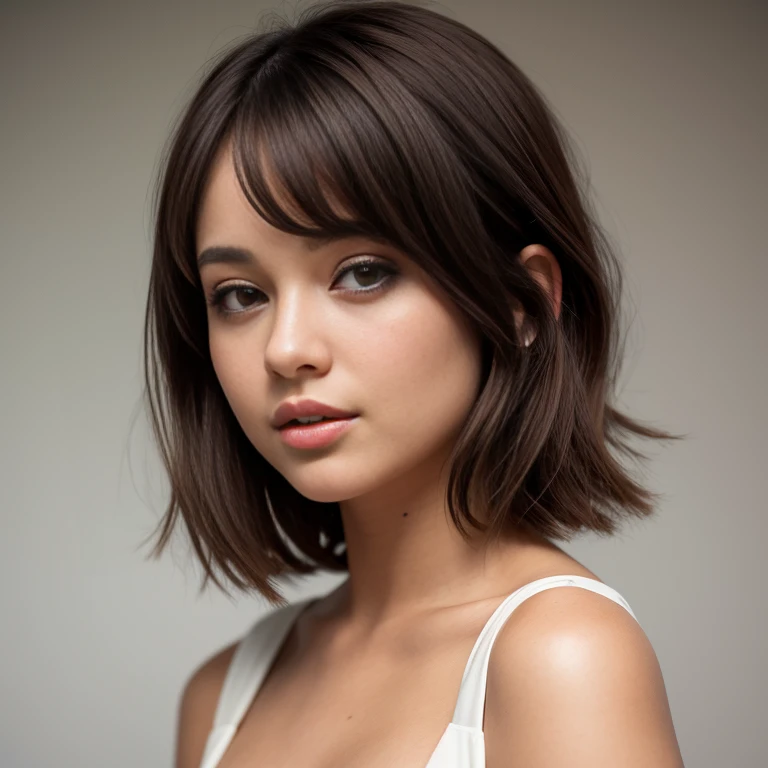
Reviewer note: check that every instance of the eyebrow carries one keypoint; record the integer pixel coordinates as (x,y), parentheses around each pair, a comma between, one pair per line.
(230,254)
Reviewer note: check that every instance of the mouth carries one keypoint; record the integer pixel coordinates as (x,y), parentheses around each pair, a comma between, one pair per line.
(303,423)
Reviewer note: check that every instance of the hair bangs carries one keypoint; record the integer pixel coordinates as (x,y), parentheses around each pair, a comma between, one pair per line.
(323,149)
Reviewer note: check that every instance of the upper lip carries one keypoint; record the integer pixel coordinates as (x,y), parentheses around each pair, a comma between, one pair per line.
(303,408)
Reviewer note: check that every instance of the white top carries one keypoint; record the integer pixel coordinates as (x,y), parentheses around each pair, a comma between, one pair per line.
(461,745)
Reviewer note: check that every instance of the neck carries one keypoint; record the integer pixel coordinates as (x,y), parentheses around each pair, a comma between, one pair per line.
(406,556)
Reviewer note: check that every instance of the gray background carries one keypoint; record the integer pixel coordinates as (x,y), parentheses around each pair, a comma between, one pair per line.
(667,103)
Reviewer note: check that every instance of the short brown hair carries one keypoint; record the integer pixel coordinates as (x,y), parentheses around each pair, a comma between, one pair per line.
(436,141)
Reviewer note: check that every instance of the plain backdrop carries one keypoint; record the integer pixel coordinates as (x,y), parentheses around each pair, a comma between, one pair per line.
(666,101)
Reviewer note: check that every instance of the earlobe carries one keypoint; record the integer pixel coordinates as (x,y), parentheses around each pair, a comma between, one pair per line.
(528,334)
(528,337)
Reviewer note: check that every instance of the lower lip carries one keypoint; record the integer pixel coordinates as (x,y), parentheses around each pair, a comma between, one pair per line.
(315,435)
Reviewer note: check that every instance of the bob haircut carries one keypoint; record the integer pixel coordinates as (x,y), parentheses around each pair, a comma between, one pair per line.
(431,138)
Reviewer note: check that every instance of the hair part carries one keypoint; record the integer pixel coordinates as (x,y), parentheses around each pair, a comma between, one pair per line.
(390,120)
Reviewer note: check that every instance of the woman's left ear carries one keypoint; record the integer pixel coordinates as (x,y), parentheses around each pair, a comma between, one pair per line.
(543,267)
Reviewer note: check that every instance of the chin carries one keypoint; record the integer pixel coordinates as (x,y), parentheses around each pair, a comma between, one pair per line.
(324,484)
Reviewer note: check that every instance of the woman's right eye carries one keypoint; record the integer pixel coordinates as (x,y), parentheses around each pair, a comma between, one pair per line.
(242,296)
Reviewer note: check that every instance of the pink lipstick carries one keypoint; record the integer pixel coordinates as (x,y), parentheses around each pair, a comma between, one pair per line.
(317,435)
(311,424)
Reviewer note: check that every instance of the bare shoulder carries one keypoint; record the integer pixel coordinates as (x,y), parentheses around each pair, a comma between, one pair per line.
(574,680)
(197,706)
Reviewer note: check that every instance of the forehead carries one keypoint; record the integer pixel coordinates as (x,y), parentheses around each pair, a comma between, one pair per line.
(225,212)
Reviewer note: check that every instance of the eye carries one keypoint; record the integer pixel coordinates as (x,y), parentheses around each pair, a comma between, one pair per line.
(221,299)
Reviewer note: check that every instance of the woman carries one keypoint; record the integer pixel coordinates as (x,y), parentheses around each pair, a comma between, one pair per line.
(369,220)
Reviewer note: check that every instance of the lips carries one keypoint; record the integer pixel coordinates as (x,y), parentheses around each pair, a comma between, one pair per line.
(288,411)
(321,434)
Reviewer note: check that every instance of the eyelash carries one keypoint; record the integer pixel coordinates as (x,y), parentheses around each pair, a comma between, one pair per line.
(219,295)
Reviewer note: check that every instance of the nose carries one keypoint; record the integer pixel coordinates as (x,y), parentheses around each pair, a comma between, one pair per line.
(296,342)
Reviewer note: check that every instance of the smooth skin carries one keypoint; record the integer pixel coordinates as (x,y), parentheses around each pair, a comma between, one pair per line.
(368,676)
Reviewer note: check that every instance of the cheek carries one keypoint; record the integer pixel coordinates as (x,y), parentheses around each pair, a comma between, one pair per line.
(226,364)
(243,380)
(423,374)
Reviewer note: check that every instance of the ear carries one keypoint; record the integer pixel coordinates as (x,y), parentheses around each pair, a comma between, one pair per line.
(543,267)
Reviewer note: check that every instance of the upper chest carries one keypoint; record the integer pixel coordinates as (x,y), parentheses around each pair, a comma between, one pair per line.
(368,707)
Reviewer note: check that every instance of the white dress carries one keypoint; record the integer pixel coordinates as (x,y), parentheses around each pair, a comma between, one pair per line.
(461,745)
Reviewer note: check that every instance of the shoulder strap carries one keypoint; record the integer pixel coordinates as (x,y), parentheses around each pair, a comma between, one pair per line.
(250,663)
(471,701)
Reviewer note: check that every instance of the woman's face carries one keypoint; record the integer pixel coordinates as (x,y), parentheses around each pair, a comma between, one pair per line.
(379,341)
